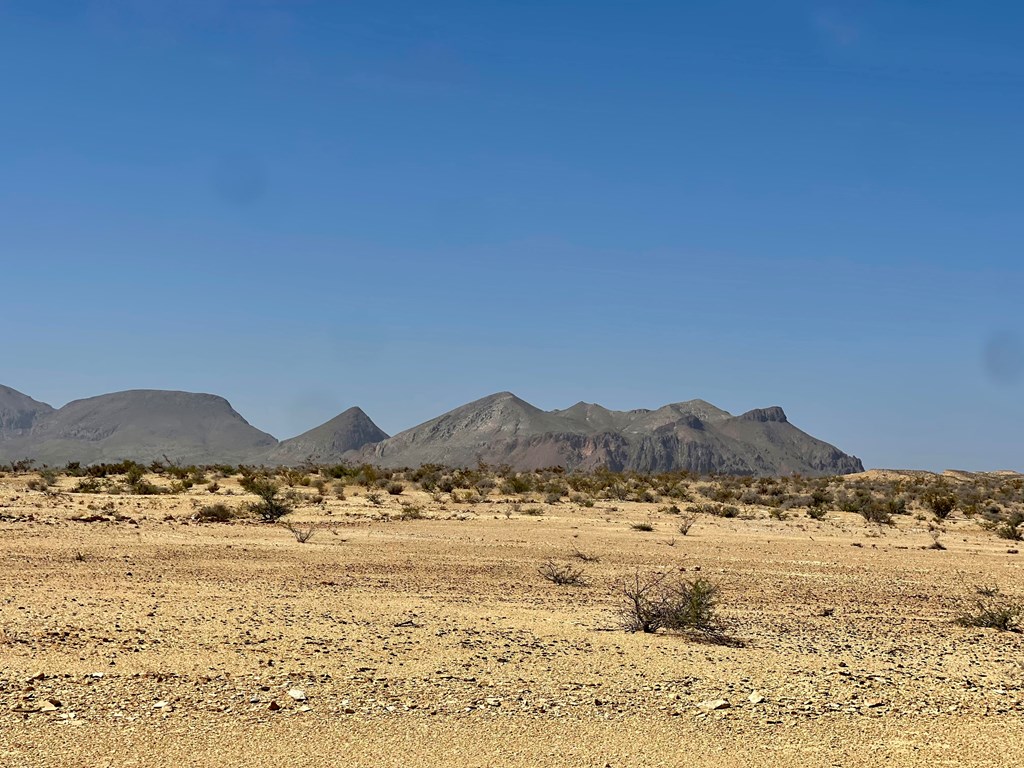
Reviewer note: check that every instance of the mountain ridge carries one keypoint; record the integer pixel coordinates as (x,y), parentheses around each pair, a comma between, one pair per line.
(500,428)
(693,434)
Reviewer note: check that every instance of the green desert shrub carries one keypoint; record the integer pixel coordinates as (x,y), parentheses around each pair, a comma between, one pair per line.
(716,510)
(649,602)
(270,507)
(215,513)
(941,505)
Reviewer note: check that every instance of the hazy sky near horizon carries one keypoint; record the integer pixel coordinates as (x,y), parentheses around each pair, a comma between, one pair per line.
(404,206)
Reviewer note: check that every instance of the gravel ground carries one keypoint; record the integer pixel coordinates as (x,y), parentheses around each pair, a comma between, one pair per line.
(145,639)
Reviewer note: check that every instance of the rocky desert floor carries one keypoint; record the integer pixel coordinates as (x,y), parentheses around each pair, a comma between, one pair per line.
(131,635)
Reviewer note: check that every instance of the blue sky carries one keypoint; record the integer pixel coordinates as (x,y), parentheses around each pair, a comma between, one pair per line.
(304,206)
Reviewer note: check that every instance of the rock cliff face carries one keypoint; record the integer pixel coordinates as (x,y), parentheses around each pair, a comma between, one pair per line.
(190,428)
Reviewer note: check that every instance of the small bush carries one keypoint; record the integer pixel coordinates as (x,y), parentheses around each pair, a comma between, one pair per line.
(1008,531)
(395,488)
(990,609)
(411,512)
(562,575)
(876,513)
(686,522)
(717,510)
(514,485)
(135,481)
(270,508)
(941,506)
(820,498)
(644,526)
(88,485)
(584,556)
(215,513)
(668,601)
(302,535)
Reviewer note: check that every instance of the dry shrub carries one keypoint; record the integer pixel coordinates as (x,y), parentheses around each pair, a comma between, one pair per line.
(991,609)
(302,535)
(562,574)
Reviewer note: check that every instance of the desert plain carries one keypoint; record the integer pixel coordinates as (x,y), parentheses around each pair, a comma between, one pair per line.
(415,629)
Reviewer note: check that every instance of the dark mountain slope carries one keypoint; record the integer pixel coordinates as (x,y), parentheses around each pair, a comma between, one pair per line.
(694,435)
(146,425)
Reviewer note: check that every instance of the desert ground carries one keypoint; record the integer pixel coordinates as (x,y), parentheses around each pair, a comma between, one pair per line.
(414,629)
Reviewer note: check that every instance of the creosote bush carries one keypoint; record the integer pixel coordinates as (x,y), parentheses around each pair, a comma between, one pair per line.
(717,510)
(215,513)
(270,507)
(669,601)
(941,505)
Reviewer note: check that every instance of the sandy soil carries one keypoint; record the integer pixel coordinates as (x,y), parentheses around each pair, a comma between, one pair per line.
(152,640)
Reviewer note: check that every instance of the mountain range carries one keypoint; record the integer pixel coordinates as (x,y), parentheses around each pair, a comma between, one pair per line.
(501,429)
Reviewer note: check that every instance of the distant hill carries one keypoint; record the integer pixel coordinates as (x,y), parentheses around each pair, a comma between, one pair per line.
(147,425)
(18,413)
(144,425)
(330,442)
(694,435)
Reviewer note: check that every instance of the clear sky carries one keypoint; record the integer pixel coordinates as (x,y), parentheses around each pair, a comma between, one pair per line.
(404,206)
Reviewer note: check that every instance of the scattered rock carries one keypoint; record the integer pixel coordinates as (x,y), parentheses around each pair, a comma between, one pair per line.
(50,705)
(713,704)
(297,693)
(274,706)
(755,698)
